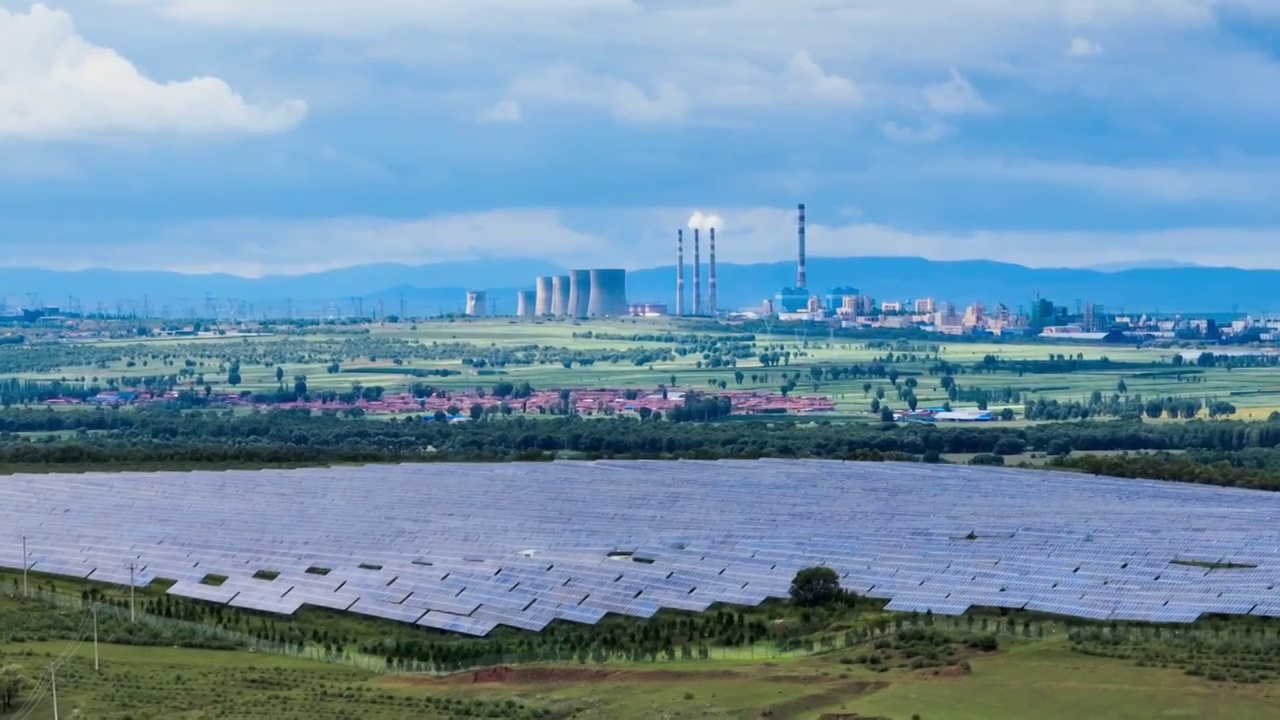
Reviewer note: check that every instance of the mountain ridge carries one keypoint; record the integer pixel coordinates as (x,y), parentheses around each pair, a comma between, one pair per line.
(440,287)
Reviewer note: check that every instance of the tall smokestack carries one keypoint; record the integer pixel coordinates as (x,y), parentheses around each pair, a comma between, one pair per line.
(711,275)
(801,281)
(697,274)
(680,273)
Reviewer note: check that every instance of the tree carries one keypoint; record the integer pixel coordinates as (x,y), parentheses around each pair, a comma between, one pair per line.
(279,374)
(13,680)
(477,411)
(440,416)
(816,586)
(233,374)
(866,388)
(886,414)
(300,385)
(1122,388)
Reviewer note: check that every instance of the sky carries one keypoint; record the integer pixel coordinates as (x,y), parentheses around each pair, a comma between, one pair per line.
(262,137)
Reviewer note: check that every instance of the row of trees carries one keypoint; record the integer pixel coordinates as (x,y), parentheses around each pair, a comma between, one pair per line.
(160,435)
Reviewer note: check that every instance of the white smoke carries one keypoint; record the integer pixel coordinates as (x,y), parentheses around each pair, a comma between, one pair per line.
(698,221)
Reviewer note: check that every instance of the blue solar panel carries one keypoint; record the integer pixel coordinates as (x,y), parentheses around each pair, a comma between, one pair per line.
(522,545)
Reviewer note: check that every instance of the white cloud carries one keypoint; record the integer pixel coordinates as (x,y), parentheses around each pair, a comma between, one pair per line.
(930,131)
(721,54)
(1236,182)
(667,103)
(809,78)
(1083,47)
(956,96)
(54,84)
(503,111)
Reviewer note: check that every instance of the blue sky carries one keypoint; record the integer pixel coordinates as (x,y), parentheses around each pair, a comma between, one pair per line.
(274,136)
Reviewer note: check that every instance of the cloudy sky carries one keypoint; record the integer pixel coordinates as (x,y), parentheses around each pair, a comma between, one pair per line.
(279,136)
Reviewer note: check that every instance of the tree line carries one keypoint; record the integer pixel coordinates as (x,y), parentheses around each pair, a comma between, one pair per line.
(167,436)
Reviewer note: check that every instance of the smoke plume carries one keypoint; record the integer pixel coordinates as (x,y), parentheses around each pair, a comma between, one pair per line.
(698,221)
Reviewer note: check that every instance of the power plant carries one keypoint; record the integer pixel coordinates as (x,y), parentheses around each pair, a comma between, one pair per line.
(697,275)
(711,274)
(679,273)
(526,303)
(802,281)
(608,294)
(560,295)
(795,299)
(476,303)
(542,295)
(580,287)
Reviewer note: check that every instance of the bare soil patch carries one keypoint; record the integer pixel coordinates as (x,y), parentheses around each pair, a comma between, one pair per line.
(507,675)
(817,701)
(949,671)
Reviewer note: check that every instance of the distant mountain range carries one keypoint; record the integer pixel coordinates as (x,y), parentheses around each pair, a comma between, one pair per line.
(440,287)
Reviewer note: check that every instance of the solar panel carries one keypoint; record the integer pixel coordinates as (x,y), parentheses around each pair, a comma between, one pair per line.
(466,547)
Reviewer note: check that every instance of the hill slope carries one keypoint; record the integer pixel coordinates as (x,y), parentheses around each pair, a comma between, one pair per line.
(440,287)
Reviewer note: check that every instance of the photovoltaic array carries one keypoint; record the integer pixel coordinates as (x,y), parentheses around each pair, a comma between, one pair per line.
(468,547)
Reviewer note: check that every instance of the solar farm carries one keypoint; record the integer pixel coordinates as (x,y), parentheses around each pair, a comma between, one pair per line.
(466,548)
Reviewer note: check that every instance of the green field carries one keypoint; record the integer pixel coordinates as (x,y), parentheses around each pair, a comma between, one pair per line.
(1040,679)
(1254,391)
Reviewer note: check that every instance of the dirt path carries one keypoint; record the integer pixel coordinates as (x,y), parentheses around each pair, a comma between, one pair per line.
(827,698)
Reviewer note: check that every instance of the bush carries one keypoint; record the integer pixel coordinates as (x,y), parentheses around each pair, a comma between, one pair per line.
(816,586)
(985,643)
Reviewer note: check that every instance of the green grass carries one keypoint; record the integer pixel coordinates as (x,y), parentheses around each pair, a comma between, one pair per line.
(1239,386)
(173,683)
(1045,680)
(1040,679)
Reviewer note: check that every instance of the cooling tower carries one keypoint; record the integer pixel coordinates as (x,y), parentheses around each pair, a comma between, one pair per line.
(476,303)
(526,300)
(711,275)
(801,280)
(579,293)
(697,275)
(679,273)
(560,295)
(608,294)
(542,303)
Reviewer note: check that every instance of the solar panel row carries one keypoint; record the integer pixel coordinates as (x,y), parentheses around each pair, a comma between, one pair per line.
(466,548)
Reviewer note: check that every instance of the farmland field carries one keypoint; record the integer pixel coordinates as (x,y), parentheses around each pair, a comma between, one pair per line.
(644,354)
(1040,679)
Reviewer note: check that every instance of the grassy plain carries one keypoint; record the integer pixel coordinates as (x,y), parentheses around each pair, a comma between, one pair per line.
(1037,678)
(1256,392)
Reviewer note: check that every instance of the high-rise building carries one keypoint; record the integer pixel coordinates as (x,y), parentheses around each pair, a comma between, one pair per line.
(1043,313)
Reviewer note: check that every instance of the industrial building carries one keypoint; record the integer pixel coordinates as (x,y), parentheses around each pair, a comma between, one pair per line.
(542,294)
(579,303)
(526,302)
(702,305)
(608,293)
(477,303)
(560,295)
(795,300)
(648,310)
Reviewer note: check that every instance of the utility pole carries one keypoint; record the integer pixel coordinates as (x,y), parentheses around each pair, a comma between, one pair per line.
(133,616)
(95,636)
(24,566)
